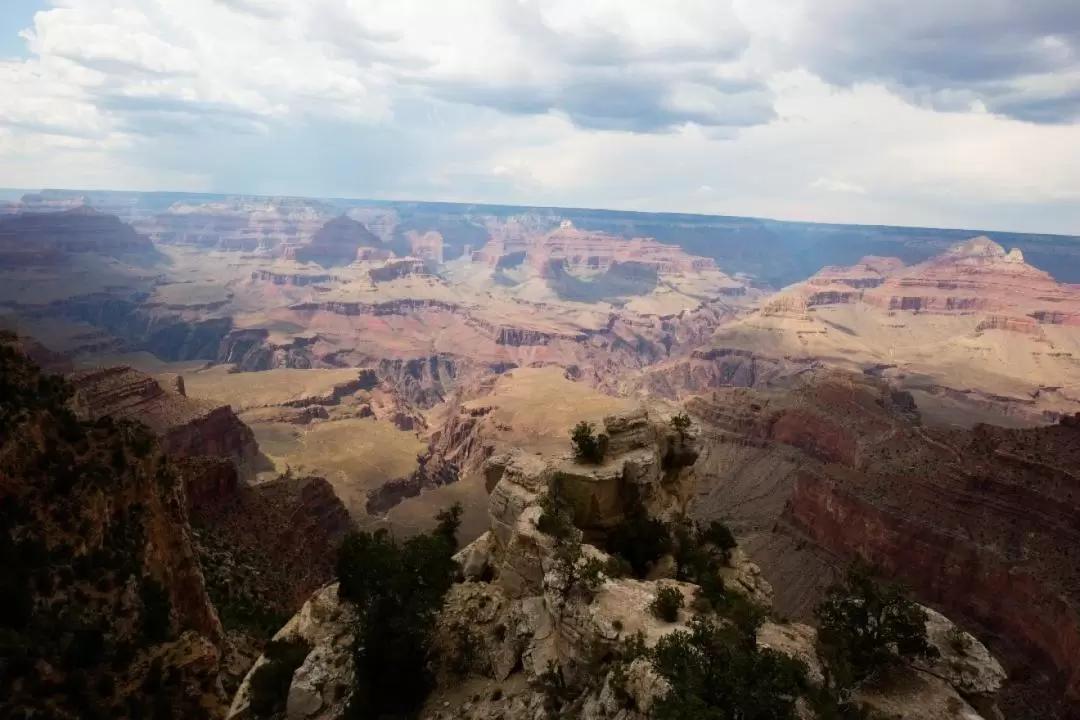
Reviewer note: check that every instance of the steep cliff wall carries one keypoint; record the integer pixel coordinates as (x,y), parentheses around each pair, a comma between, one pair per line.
(186,428)
(106,612)
(980,522)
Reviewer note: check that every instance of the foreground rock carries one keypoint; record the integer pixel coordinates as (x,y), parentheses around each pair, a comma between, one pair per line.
(107,613)
(518,616)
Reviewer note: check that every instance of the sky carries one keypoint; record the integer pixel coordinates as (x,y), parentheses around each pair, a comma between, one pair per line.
(947,113)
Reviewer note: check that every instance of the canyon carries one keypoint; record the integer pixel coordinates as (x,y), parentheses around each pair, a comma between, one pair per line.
(900,395)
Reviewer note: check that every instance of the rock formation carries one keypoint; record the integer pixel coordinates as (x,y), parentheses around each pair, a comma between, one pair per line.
(977,522)
(187,428)
(526,617)
(337,243)
(239,224)
(48,239)
(106,610)
(592,250)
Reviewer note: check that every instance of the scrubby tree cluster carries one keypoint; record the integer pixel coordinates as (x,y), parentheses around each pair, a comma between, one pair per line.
(667,604)
(589,447)
(866,627)
(680,423)
(398,590)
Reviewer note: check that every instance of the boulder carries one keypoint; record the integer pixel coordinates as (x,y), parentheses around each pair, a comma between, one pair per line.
(322,684)
(962,660)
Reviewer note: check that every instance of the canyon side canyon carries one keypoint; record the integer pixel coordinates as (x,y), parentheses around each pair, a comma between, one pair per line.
(906,396)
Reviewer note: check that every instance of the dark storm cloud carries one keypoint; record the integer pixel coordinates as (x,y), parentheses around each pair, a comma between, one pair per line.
(625,104)
(1021,58)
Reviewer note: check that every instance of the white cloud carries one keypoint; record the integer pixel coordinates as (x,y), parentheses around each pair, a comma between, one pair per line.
(839,186)
(690,105)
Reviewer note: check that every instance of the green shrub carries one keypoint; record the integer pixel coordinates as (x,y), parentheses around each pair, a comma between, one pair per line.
(556,510)
(580,574)
(589,447)
(713,674)
(270,681)
(865,628)
(667,604)
(398,591)
(718,534)
(681,424)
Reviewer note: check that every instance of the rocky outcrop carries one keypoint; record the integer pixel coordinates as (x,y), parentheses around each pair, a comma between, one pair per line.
(321,685)
(398,268)
(454,450)
(979,276)
(704,370)
(337,243)
(589,250)
(294,279)
(390,307)
(523,616)
(187,428)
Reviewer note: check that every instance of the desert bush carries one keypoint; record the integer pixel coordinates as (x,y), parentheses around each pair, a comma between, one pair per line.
(579,574)
(680,423)
(719,535)
(588,446)
(398,591)
(866,627)
(270,681)
(713,674)
(667,604)
(556,510)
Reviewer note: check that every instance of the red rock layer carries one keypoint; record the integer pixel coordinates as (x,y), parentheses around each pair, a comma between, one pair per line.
(980,522)
(979,276)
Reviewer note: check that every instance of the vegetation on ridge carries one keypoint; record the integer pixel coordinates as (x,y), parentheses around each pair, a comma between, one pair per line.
(397,590)
(589,447)
(87,509)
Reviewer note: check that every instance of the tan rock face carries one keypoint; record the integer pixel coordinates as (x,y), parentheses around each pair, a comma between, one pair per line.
(591,250)
(977,275)
(239,225)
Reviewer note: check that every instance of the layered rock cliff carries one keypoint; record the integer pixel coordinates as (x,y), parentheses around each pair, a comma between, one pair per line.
(337,243)
(106,611)
(188,429)
(52,238)
(979,523)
